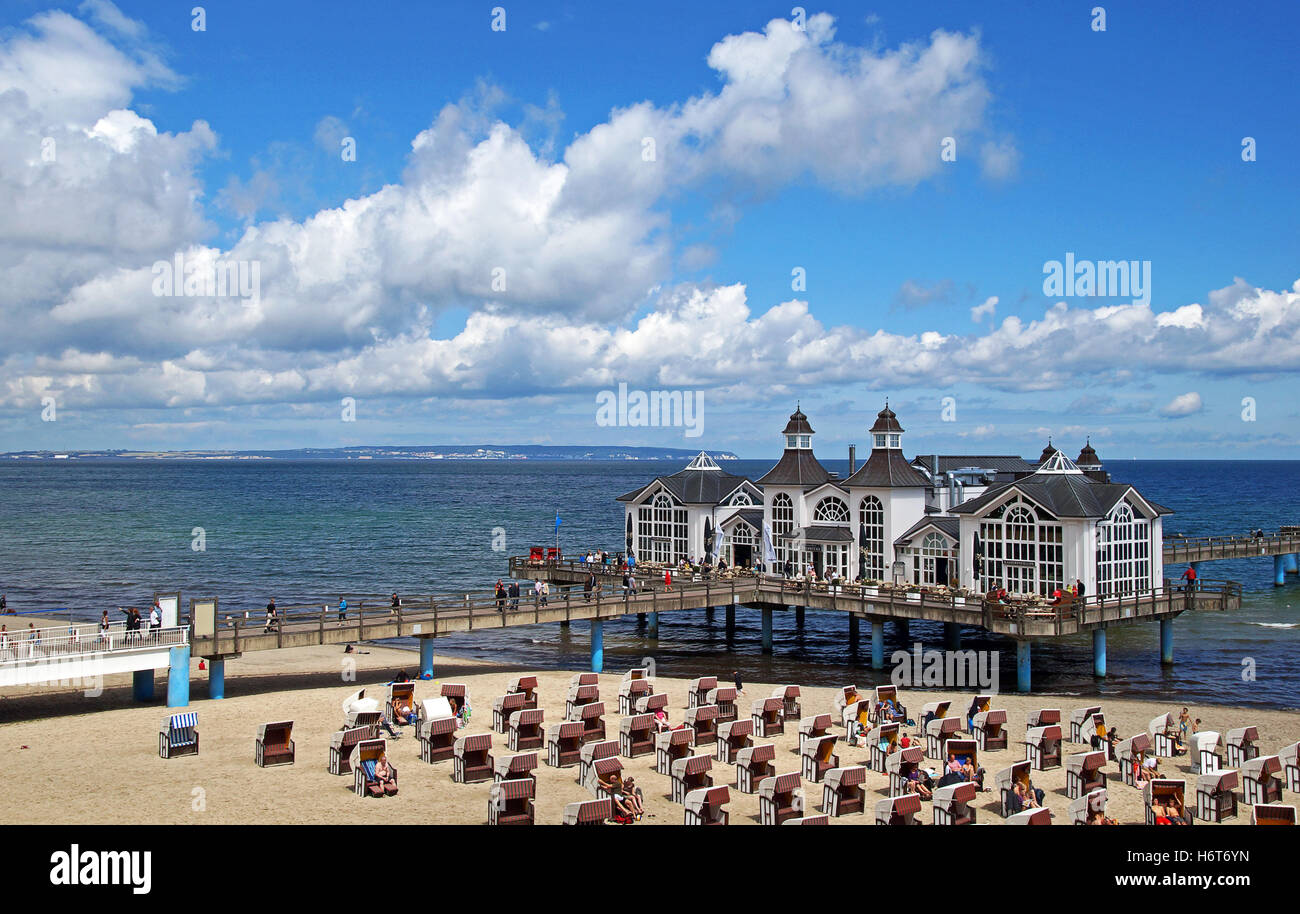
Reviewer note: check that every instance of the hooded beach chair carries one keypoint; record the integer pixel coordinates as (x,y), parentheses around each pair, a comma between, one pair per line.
(1043,747)
(589,812)
(636,682)
(591,753)
(1162,733)
(581,693)
(883,741)
(817,725)
(526,730)
(779,798)
(1130,753)
(401,697)
(436,731)
(990,729)
(564,744)
(1038,816)
(1203,752)
(601,768)
(1165,791)
(725,699)
(1289,756)
(1006,781)
(691,773)
(883,697)
(844,696)
(844,791)
(360,711)
(954,804)
(1081,723)
(1082,808)
(937,732)
(457,695)
(932,709)
(342,742)
(511,802)
(503,707)
(274,744)
(789,695)
(179,735)
(706,806)
(1261,782)
(818,757)
(649,704)
(1272,814)
(1242,746)
(964,752)
(698,690)
(592,717)
(362,762)
(977,704)
(754,764)
(857,718)
(900,766)
(703,719)
(1043,717)
(1084,773)
(898,810)
(733,736)
(472,759)
(1215,799)
(672,745)
(636,735)
(526,686)
(515,767)
(769,717)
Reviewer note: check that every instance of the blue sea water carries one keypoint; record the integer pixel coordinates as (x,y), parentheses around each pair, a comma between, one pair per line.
(81,536)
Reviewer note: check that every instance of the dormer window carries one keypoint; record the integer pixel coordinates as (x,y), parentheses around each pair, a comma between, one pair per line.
(805,441)
(791,441)
(895,441)
(880,441)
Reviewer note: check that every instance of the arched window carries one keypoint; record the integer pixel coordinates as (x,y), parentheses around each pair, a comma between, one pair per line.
(933,564)
(661,530)
(831,510)
(741,499)
(740,545)
(782,522)
(871,538)
(1023,549)
(1124,551)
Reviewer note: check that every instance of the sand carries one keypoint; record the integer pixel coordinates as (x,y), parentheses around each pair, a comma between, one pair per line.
(95,760)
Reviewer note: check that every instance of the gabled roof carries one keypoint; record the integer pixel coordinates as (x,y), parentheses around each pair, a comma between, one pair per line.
(887,468)
(1062,494)
(695,485)
(948,526)
(751,516)
(797,467)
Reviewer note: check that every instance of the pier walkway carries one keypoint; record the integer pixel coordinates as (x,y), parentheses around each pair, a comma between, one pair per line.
(1283,547)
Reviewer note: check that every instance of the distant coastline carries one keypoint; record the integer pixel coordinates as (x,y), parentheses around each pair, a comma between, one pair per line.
(389,452)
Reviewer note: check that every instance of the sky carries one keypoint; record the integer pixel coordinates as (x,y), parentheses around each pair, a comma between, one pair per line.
(470,224)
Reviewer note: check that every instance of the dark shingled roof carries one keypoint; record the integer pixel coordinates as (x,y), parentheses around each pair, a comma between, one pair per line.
(887,468)
(695,487)
(797,467)
(1063,494)
(886,421)
(948,525)
(751,516)
(1088,456)
(818,533)
(995,462)
(798,424)
(1048,451)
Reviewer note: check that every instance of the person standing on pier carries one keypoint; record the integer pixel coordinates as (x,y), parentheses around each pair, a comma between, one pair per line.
(394,604)
(343,610)
(537,592)
(587,586)
(272,618)
(513,591)
(500,593)
(668,579)
(155,622)
(1190,577)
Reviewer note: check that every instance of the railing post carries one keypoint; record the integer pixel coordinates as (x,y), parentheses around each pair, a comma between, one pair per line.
(320,632)
(236,636)
(361,622)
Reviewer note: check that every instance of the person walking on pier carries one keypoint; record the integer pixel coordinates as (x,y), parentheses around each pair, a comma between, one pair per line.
(501,595)
(343,610)
(272,618)
(537,592)
(155,622)
(668,579)
(513,591)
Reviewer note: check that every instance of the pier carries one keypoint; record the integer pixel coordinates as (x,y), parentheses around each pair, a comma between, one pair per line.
(1283,547)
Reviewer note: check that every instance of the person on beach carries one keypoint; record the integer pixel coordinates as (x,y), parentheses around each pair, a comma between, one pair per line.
(661,721)
(740,688)
(386,775)
(343,610)
(1184,721)
(625,799)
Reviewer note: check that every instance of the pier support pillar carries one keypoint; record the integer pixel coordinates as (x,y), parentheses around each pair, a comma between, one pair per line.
(142,685)
(952,636)
(708,614)
(798,616)
(1279,571)
(901,630)
(178,677)
(731,620)
(426,658)
(1291,563)
(216,677)
(1166,642)
(853,633)
(767,631)
(597,645)
(1099,653)
(877,644)
(640,618)
(1024,651)
(652,625)
(564,624)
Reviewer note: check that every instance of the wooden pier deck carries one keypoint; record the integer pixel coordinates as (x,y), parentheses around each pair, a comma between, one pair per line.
(1181,550)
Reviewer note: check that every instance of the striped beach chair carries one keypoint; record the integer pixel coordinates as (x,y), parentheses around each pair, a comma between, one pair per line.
(515,767)
(808,820)
(635,684)
(636,735)
(649,704)
(1215,799)
(1165,791)
(817,725)
(563,744)
(725,699)
(703,719)
(511,802)
(691,773)
(883,740)
(844,791)
(780,797)
(990,729)
(179,735)
(1203,752)
(590,753)
(1043,748)
(1082,808)
(1081,723)
(1040,816)
(342,743)
(1272,814)
(1043,717)
(1261,783)
(768,715)
(898,810)
(1242,746)
(900,765)
(504,706)
(274,744)
(457,695)
(1006,782)
(818,757)
(1289,756)
(401,699)
(1130,753)
(937,732)
(472,759)
(525,730)
(954,804)
(526,686)
(734,735)
(1162,734)
(601,768)
(437,737)
(592,717)
(672,745)
(584,688)
(883,697)
(362,763)
(588,812)
(789,695)
(932,709)
(705,806)
(1084,773)
(753,765)
(697,692)
(844,696)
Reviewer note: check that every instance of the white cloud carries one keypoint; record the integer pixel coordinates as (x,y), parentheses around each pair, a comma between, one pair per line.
(1182,405)
(987,309)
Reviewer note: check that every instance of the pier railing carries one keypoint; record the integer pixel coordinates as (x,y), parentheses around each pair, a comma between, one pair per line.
(1178,550)
(60,643)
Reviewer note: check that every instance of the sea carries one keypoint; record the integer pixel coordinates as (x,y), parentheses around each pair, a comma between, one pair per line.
(77,537)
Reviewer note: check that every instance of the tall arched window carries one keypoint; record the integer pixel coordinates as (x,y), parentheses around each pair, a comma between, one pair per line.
(831,510)
(1123,551)
(741,545)
(933,565)
(782,522)
(661,530)
(871,538)
(1022,549)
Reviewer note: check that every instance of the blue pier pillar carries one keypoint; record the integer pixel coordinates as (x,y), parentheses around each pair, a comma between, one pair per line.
(901,630)
(767,631)
(853,633)
(178,677)
(952,636)
(1167,642)
(798,616)
(1099,653)
(1279,571)
(877,645)
(1289,560)
(597,645)
(1024,652)
(216,677)
(142,685)
(426,658)
(652,625)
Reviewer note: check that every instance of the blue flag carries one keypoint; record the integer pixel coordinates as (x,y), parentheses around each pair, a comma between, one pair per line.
(557,520)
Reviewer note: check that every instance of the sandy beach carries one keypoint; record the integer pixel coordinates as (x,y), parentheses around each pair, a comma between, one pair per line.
(96,759)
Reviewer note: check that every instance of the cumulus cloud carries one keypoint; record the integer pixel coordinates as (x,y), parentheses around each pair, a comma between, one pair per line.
(987,309)
(1182,405)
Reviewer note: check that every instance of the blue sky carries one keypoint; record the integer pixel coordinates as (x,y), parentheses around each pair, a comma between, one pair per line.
(1123,144)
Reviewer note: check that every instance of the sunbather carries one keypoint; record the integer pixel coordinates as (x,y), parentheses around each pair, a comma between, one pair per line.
(1147,770)
(1170,813)
(623,793)
(386,776)
(919,783)
(661,721)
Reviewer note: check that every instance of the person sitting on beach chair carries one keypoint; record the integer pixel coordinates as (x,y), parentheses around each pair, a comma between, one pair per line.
(661,721)
(626,797)
(1146,770)
(920,783)
(380,776)
(1026,796)
(1170,813)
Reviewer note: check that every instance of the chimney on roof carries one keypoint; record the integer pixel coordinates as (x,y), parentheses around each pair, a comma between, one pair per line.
(853,459)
